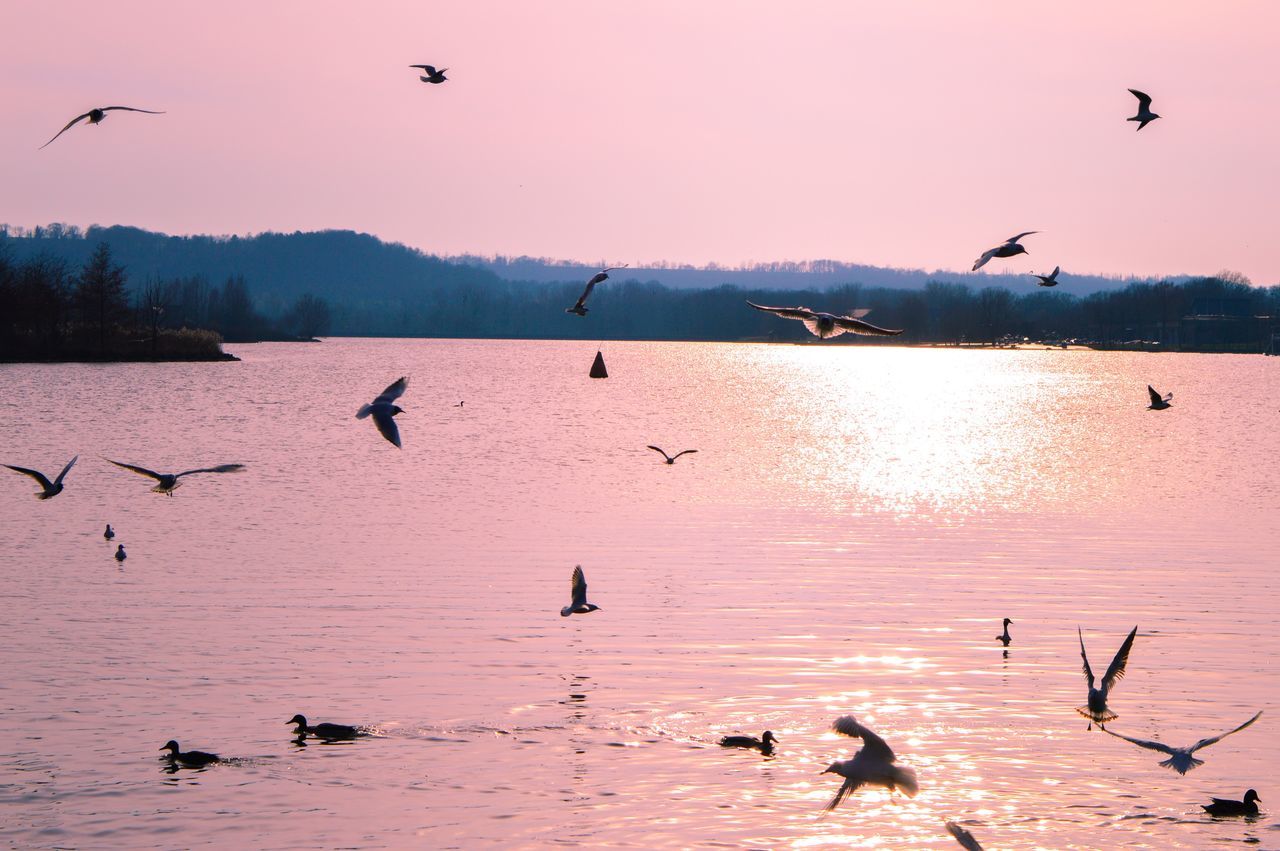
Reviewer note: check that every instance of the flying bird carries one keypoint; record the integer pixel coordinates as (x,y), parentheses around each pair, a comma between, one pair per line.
(1004,638)
(1183,760)
(764,744)
(671,459)
(578,604)
(190,759)
(1145,116)
(1096,709)
(48,489)
(431,74)
(827,325)
(1051,279)
(95,116)
(325,731)
(383,410)
(1224,807)
(121,555)
(168,482)
(871,766)
(1158,402)
(109,533)
(579,308)
(964,837)
(1008,248)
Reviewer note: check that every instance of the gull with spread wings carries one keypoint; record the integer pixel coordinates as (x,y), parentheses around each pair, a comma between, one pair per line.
(578,604)
(580,306)
(95,116)
(1145,116)
(827,325)
(1183,760)
(871,766)
(168,482)
(383,409)
(48,489)
(1008,248)
(1096,708)
(431,74)
(1158,402)
(671,459)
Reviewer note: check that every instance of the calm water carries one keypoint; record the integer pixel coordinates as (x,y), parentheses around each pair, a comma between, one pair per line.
(853,528)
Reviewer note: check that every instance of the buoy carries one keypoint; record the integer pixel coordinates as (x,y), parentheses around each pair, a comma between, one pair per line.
(597,368)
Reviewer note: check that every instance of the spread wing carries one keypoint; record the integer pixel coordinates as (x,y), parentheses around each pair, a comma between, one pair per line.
(578,588)
(141,471)
(1204,743)
(1143,743)
(1088,672)
(221,468)
(430,69)
(964,837)
(132,109)
(63,474)
(591,285)
(1054,274)
(664,455)
(1115,672)
(845,790)
(982,261)
(1144,99)
(36,474)
(683,452)
(872,745)
(1011,240)
(392,393)
(866,329)
(787,312)
(1155,397)
(387,427)
(70,124)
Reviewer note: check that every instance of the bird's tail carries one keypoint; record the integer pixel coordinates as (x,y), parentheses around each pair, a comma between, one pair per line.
(905,779)
(1097,717)
(365,410)
(1182,766)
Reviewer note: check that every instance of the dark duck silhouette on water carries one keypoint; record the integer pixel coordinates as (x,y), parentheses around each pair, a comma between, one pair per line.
(1004,637)
(95,116)
(325,731)
(48,489)
(1096,708)
(168,482)
(110,533)
(189,759)
(121,555)
(1224,807)
(764,744)
(580,306)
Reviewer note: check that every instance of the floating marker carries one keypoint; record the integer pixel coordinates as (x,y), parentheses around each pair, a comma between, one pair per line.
(597,368)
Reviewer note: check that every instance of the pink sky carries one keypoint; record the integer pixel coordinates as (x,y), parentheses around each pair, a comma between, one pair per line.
(900,134)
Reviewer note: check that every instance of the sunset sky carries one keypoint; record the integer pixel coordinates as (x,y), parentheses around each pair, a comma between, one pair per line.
(897,134)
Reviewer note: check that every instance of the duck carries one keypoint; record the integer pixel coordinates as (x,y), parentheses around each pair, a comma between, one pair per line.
(764,744)
(190,759)
(121,555)
(871,766)
(325,731)
(110,533)
(1223,807)
(1095,709)
(1005,638)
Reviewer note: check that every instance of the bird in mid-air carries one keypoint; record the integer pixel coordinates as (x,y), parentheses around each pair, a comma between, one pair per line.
(580,306)
(1224,807)
(95,116)
(109,533)
(1051,279)
(48,489)
(671,459)
(964,837)
(383,410)
(190,759)
(121,555)
(1008,248)
(1183,760)
(1004,638)
(431,75)
(168,482)
(871,766)
(578,604)
(764,744)
(1145,116)
(325,731)
(1158,402)
(1096,708)
(827,325)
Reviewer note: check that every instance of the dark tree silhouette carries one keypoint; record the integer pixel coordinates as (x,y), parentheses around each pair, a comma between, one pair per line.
(100,297)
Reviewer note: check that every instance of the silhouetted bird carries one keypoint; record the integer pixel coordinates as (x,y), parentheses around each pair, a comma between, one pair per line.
(325,731)
(1004,638)
(1051,279)
(48,489)
(671,459)
(579,308)
(432,75)
(964,837)
(191,759)
(383,410)
(764,744)
(1145,116)
(95,116)
(168,482)
(826,325)
(578,604)
(1096,708)
(1183,760)
(1223,807)
(110,533)
(121,555)
(1008,248)
(871,766)
(1158,402)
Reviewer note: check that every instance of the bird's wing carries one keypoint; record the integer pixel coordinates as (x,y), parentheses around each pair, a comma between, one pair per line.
(1155,397)
(788,312)
(682,452)
(387,427)
(846,789)
(847,725)
(964,837)
(872,745)
(221,468)
(1088,672)
(1144,99)
(614,268)
(1115,672)
(70,124)
(392,393)
(1054,273)
(430,69)
(866,329)
(582,299)
(1204,743)
(1168,396)
(133,109)
(1013,239)
(1143,743)
(141,471)
(860,313)
(664,455)
(63,474)
(578,588)
(35,474)
(982,261)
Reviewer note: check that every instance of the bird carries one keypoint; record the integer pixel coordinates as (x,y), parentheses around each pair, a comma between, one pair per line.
(48,489)
(578,604)
(383,410)
(671,459)
(168,482)
(460,404)
(110,533)
(1051,279)
(1224,807)
(325,731)
(826,325)
(1008,248)
(1158,402)
(432,75)
(1004,638)
(1145,116)
(764,744)
(121,555)
(873,765)
(95,116)
(964,837)
(1096,709)
(579,308)
(1183,760)
(191,759)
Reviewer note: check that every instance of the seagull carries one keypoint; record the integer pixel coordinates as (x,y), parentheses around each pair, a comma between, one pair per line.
(578,605)
(325,731)
(873,765)
(383,411)
(1183,760)
(49,489)
(964,837)
(1051,279)
(1096,709)
(671,459)
(168,482)
(1223,807)
(764,744)
(579,307)
(432,75)
(121,555)
(1005,638)
(1008,248)
(110,533)
(1158,402)
(1145,115)
(190,759)
(825,325)
(95,116)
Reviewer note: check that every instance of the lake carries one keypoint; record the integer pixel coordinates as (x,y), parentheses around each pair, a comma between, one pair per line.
(854,526)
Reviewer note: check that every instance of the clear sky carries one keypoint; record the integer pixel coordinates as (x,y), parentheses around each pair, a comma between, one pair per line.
(894,133)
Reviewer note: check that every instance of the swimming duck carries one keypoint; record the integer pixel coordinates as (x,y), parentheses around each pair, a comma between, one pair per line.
(325,731)
(764,744)
(191,759)
(1223,807)
(110,533)
(1096,708)
(121,555)
(1005,638)
(871,766)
